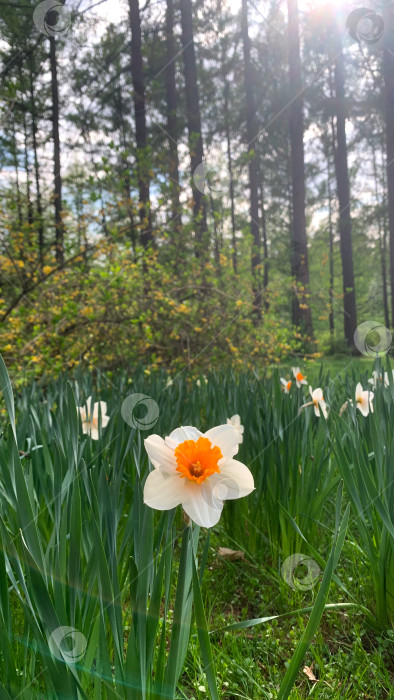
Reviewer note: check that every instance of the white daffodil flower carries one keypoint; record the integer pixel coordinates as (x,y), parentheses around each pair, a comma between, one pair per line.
(286,385)
(298,376)
(196,470)
(235,421)
(364,400)
(377,379)
(318,401)
(90,419)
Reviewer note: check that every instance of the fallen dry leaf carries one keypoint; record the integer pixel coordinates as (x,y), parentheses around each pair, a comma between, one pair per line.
(308,672)
(231,554)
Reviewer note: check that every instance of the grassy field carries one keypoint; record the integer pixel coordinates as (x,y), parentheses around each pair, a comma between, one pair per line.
(80,550)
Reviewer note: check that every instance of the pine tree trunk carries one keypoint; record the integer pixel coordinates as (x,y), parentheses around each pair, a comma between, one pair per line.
(140,124)
(331,250)
(251,135)
(27,171)
(230,174)
(265,241)
(172,127)
(300,268)
(388,74)
(16,166)
(343,191)
(36,170)
(194,126)
(382,236)
(59,226)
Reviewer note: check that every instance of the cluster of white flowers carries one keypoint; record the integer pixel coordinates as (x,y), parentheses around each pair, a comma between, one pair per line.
(363,399)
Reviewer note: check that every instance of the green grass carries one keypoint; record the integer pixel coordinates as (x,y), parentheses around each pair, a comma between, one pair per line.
(79,548)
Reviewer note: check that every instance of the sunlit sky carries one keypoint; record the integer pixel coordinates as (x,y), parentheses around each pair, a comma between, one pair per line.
(114,10)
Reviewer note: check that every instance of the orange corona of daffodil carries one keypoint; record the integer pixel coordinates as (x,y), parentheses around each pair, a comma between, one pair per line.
(298,376)
(286,384)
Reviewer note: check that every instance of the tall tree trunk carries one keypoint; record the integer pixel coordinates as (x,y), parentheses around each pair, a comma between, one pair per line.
(382,238)
(143,165)
(34,128)
(230,174)
(27,171)
(251,135)
(265,241)
(194,125)
(172,127)
(388,74)
(331,248)
(16,166)
(343,191)
(59,226)
(300,268)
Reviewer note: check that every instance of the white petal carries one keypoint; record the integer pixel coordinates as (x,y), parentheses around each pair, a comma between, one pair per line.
(364,409)
(104,420)
(159,453)
(359,390)
(94,433)
(82,413)
(317,394)
(103,408)
(186,432)
(227,438)
(234,481)
(85,427)
(163,491)
(201,507)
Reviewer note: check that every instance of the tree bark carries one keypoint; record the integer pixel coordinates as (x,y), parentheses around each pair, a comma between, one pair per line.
(343,192)
(230,174)
(300,268)
(16,166)
(172,126)
(388,75)
(59,226)
(143,165)
(36,170)
(251,135)
(194,126)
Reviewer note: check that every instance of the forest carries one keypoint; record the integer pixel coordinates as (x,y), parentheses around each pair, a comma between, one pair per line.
(193,175)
